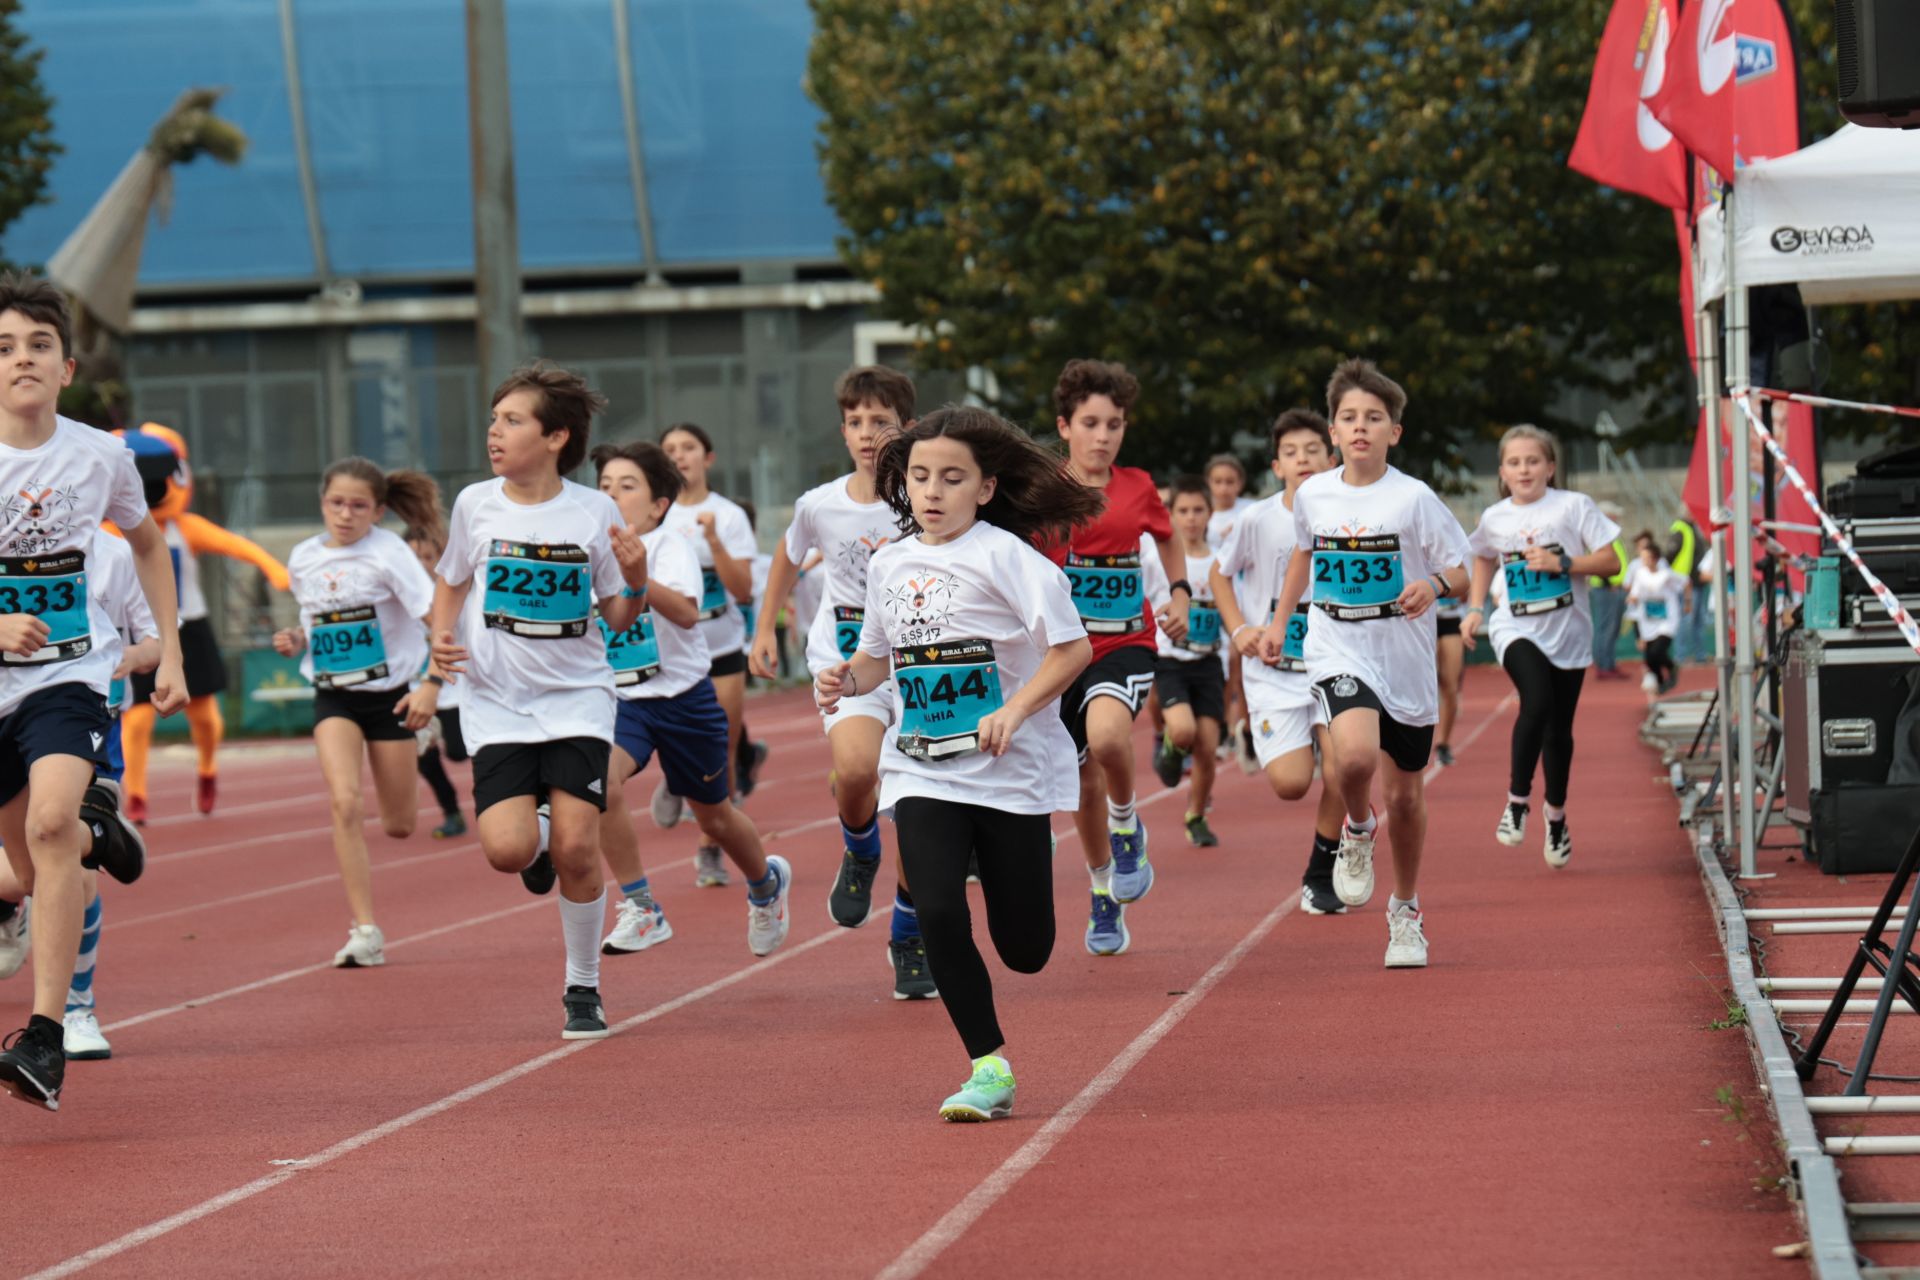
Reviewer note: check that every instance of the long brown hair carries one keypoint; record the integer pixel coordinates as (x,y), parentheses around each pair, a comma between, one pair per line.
(1034,493)
(1541,436)
(414,496)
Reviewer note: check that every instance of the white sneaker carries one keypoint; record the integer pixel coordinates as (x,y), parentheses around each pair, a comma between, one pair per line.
(16,940)
(667,808)
(710,868)
(366,947)
(767,925)
(1406,940)
(1513,825)
(84,1043)
(636,928)
(1559,846)
(1353,866)
(1650,683)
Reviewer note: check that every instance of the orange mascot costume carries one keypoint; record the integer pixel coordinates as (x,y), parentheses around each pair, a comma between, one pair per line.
(160,454)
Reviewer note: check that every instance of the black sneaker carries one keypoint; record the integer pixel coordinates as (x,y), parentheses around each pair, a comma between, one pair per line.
(33,1065)
(1444,754)
(851,902)
(452,825)
(118,848)
(912,980)
(586,1020)
(1317,898)
(749,768)
(1199,834)
(1167,762)
(539,875)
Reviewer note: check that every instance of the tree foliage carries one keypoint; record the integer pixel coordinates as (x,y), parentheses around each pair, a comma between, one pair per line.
(1231,197)
(27,147)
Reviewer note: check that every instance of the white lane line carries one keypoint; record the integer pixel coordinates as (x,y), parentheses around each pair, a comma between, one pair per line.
(330,878)
(347,1146)
(276,837)
(1478,729)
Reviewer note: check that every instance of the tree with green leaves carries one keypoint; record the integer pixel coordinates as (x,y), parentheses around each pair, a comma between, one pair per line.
(27,147)
(1229,198)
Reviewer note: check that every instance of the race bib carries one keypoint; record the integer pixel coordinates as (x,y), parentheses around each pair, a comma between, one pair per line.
(1203,626)
(53,589)
(847,622)
(1358,579)
(538,590)
(116,694)
(634,654)
(347,648)
(1655,610)
(946,689)
(1530,591)
(1107,592)
(713,595)
(1293,653)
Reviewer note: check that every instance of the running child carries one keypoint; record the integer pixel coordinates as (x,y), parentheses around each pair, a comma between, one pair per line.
(1284,722)
(1450,659)
(1655,595)
(1103,563)
(749,755)
(721,537)
(362,640)
(1226,491)
(844,522)
(667,705)
(1188,675)
(1543,541)
(440,741)
(539,705)
(980,635)
(56,658)
(1378,548)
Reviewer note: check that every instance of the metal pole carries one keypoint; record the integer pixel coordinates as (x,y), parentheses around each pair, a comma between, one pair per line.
(1740,506)
(496,232)
(1707,342)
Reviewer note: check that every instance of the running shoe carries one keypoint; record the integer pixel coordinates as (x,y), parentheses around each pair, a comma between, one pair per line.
(1513,825)
(1107,927)
(635,928)
(750,775)
(365,949)
(1672,679)
(117,847)
(1317,898)
(586,1019)
(1353,866)
(1166,763)
(454,825)
(539,875)
(1559,847)
(83,1042)
(767,923)
(16,939)
(1132,873)
(850,901)
(667,808)
(1199,834)
(710,868)
(1444,754)
(1406,939)
(987,1094)
(1650,683)
(33,1065)
(912,980)
(206,793)
(137,810)
(1245,753)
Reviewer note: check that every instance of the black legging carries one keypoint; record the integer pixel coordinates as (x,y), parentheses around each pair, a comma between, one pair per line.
(1549,696)
(1659,657)
(1016,879)
(437,780)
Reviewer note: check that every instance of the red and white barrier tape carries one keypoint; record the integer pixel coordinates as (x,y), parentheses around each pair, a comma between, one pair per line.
(1895,610)
(1826,402)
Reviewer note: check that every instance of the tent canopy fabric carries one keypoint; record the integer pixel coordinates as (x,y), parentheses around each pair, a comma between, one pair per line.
(1836,218)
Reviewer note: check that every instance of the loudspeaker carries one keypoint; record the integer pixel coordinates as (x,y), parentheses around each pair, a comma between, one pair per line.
(1879,62)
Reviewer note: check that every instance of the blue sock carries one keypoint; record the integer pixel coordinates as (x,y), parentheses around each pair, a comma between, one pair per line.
(80,993)
(638,891)
(764,890)
(864,845)
(906,921)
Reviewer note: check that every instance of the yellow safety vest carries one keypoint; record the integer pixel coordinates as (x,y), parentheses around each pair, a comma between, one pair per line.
(1689,548)
(1619,575)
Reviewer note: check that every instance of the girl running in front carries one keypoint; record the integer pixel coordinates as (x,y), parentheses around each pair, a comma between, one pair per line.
(1188,675)
(1654,597)
(667,705)
(722,539)
(363,607)
(983,638)
(1543,541)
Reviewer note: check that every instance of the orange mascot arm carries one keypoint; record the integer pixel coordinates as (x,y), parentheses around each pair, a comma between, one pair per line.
(204,536)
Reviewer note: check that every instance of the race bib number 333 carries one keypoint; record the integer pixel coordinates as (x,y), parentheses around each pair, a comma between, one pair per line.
(53,589)
(538,590)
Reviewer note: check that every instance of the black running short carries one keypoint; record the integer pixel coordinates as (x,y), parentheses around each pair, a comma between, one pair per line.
(1408,746)
(1199,683)
(1125,674)
(1447,626)
(728,664)
(506,770)
(372,711)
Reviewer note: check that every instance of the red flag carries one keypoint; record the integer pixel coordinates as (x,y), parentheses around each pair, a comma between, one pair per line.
(1620,143)
(1730,94)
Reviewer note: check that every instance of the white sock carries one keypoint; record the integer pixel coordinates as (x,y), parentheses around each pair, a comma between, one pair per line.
(1556,813)
(997,1059)
(546,833)
(1395,904)
(1120,817)
(1514,799)
(1363,828)
(1102,877)
(580,924)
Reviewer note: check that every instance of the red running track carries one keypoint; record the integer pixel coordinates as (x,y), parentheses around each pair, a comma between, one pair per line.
(1246,1092)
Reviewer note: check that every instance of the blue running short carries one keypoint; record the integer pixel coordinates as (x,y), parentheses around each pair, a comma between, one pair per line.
(690,733)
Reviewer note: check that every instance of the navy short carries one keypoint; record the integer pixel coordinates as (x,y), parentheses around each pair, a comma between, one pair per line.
(689,730)
(59,720)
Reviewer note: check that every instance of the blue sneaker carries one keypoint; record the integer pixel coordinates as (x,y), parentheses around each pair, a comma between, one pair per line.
(1107,927)
(1132,873)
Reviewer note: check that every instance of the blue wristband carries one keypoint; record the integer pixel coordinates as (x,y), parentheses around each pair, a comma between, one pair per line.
(628,593)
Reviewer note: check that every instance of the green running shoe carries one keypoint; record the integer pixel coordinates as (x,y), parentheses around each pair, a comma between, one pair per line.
(987,1095)
(1199,834)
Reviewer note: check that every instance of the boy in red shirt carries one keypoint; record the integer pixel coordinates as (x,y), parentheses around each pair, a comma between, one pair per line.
(1102,560)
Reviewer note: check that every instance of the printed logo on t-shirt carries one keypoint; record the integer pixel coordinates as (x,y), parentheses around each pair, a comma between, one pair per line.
(921,606)
(38,515)
(855,553)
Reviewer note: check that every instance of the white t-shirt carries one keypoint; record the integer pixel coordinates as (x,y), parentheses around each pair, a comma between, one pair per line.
(1257,552)
(967,624)
(846,534)
(1221,524)
(52,500)
(1654,598)
(1203,617)
(1550,609)
(111,577)
(721,623)
(361,606)
(654,658)
(1368,543)
(536,666)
